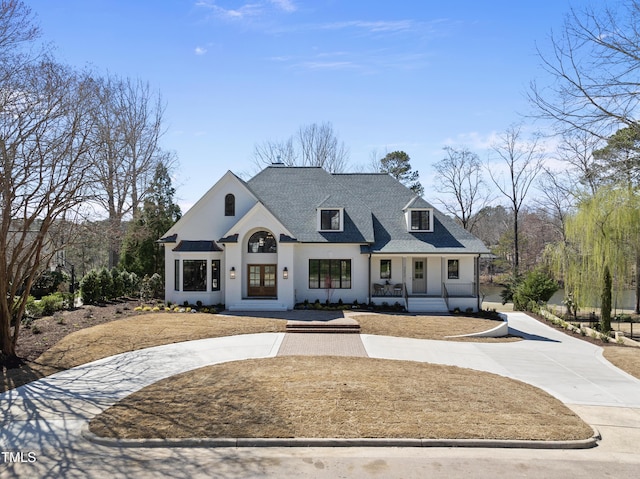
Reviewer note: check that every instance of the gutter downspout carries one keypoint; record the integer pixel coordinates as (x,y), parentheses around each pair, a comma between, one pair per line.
(369,279)
(478,281)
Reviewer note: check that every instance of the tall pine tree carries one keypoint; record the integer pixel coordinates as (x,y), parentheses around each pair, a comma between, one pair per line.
(140,252)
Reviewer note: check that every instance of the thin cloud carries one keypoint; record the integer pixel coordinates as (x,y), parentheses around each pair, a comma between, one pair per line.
(200,51)
(285,5)
(372,27)
(246,10)
(318,65)
(255,9)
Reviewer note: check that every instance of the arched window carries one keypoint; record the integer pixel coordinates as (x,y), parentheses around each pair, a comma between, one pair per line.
(262,242)
(229,205)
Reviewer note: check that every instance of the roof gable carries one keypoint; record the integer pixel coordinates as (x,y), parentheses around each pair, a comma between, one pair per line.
(294,195)
(191,225)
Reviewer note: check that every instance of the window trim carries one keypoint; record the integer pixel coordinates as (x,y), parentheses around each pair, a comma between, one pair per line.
(261,249)
(230,204)
(340,228)
(176,275)
(215,277)
(388,275)
(184,276)
(429,225)
(457,268)
(343,274)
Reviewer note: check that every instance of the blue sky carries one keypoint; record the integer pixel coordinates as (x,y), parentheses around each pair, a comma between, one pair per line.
(403,75)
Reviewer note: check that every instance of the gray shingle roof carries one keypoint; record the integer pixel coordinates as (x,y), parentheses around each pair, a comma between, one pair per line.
(293,195)
(373,203)
(197,246)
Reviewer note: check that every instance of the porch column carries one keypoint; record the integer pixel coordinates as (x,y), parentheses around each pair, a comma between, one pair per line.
(476,265)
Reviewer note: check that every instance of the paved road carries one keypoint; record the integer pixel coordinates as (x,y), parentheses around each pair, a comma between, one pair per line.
(42,421)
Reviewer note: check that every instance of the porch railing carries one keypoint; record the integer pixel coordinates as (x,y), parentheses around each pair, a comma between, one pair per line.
(459,290)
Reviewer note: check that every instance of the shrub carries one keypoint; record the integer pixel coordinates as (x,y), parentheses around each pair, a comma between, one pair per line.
(48,283)
(105,282)
(535,288)
(90,288)
(118,283)
(51,303)
(32,309)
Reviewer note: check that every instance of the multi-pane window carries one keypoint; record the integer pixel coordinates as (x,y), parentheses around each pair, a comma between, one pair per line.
(330,220)
(215,275)
(453,269)
(420,220)
(329,274)
(229,205)
(262,242)
(194,275)
(385,269)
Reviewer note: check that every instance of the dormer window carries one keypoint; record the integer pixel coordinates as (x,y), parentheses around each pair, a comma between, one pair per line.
(330,219)
(420,220)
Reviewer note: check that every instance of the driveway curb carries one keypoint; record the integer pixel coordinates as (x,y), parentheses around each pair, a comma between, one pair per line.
(340,442)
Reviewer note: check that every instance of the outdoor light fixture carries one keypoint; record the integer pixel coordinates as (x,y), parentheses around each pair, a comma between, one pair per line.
(232,273)
(285,273)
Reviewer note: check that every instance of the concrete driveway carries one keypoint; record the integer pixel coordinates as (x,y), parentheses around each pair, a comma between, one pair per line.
(42,421)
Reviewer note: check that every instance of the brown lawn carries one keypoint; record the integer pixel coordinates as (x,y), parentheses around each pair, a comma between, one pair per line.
(426,327)
(626,358)
(339,397)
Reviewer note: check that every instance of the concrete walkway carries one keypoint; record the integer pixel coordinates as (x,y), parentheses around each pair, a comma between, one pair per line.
(46,417)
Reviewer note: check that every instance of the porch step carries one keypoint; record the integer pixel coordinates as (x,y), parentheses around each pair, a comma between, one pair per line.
(257,305)
(340,326)
(426,305)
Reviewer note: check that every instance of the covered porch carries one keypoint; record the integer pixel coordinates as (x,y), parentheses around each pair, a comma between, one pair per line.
(426,283)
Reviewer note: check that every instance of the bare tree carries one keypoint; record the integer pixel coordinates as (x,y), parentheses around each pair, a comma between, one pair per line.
(557,198)
(576,149)
(594,66)
(459,175)
(312,145)
(319,146)
(523,162)
(44,128)
(17,27)
(125,150)
(270,152)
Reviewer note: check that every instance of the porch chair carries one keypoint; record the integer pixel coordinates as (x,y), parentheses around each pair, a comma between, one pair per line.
(397,289)
(378,289)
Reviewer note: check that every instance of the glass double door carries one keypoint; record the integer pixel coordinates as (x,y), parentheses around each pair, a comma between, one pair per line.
(262,280)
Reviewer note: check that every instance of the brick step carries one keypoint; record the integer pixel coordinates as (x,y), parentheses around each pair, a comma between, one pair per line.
(324,330)
(346,326)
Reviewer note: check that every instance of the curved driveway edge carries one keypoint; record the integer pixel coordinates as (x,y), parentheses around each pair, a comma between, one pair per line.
(568,368)
(52,412)
(341,442)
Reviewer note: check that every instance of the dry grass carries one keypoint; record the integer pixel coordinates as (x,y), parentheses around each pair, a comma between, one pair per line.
(339,397)
(136,332)
(149,330)
(426,327)
(155,329)
(625,358)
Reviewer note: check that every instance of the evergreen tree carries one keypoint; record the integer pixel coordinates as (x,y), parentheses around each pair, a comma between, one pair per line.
(619,161)
(140,253)
(397,164)
(605,303)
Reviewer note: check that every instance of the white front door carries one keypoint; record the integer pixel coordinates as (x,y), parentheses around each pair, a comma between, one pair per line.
(419,276)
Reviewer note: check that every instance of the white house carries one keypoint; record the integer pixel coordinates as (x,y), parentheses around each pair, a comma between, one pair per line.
(292,234)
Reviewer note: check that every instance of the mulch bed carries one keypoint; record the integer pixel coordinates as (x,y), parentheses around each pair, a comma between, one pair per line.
(52,329)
